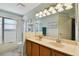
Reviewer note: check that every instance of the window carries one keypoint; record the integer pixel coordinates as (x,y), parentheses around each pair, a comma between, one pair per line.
(7,30)
(10,25)
(0,30)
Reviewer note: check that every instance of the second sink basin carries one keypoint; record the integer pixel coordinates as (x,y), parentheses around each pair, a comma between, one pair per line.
(74,43)
(56,44)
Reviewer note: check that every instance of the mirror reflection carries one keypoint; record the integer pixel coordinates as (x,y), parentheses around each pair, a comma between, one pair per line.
(59,25)
(54,20)
(66,27)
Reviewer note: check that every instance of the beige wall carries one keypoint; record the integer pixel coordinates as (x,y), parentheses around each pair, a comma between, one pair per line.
(64,26)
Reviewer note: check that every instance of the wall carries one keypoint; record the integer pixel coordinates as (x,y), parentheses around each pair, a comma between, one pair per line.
(65,26)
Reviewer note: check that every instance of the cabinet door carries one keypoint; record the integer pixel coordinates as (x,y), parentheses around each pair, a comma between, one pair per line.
(44,51)
(53,53)
(28,48)
(57,53)
(35,49)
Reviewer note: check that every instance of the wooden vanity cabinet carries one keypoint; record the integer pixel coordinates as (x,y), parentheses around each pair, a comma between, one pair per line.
(35,49)
(44,51)
(28,48)
(58,53)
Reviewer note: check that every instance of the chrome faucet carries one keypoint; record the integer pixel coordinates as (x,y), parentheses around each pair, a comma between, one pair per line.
(58,40)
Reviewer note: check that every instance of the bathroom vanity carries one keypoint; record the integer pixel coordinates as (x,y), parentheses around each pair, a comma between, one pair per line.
(35,49)
(49,47)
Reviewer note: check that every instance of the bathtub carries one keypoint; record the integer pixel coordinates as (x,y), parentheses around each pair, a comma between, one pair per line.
(7,47)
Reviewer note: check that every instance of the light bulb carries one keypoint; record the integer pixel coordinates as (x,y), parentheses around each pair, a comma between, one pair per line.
(37,15)
(54,11)
(69,7)
(60,9)
(48,13)
(58,6)
(45,11)
(50,9)
(40,12)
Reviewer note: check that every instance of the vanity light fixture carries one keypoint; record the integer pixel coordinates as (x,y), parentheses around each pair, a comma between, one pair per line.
(52,10)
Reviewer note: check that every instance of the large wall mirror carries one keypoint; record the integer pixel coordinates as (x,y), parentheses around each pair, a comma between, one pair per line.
(61,24)
(66,24)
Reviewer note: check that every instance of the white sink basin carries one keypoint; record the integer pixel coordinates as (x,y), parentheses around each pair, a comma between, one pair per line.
(69,42)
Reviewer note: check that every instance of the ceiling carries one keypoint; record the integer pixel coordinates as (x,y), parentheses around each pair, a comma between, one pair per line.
(18,8)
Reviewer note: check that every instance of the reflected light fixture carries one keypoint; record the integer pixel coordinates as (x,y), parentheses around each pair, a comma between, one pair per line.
(37,15)
(52,10)
(48,13)
(58,6)
(45,11)
(60,9)
(40,14)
